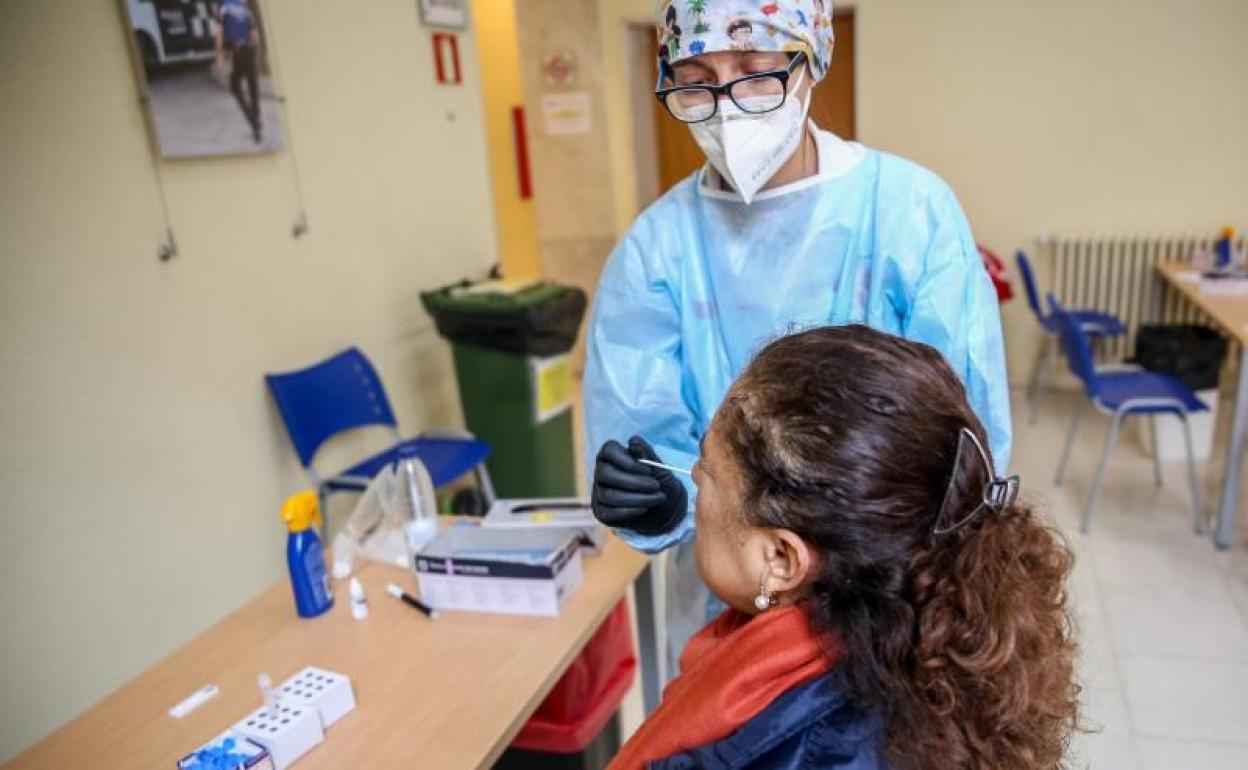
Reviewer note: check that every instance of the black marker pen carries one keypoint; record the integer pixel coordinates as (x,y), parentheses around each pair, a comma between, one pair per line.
(408,599)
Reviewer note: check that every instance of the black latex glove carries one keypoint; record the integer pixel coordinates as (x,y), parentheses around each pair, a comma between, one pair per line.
(635,496)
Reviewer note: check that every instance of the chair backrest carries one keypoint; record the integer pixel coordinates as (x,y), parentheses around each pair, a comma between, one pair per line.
(339,393)
(1029,283)
(1076,346)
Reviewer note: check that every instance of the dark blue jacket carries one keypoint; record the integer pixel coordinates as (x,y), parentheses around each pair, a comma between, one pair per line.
(810,726)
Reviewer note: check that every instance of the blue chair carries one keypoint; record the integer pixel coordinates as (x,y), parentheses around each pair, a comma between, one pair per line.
(1092,322)
(1120,391)
(344,392)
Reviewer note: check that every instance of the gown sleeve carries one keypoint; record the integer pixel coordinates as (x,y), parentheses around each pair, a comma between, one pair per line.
(633,374)
(955,310)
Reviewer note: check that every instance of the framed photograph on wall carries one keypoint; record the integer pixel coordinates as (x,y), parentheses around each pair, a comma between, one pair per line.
(444,13)
(205,72)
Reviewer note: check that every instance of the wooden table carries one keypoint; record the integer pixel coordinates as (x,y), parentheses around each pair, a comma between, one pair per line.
(450,693)
(1229,311)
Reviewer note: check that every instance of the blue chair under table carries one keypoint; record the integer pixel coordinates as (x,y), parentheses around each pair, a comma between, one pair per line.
(344,392)
(1093,322)
(1119,391)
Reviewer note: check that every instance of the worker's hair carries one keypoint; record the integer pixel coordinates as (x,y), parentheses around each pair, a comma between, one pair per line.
(962,643)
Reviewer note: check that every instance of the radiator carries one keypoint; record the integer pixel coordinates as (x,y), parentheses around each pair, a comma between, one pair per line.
(1117,275)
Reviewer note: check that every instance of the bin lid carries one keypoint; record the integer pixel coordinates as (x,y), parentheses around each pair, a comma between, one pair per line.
(498,286)
(530,318)
(493,296)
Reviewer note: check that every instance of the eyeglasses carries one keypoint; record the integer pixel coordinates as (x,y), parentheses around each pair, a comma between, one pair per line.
(756,94)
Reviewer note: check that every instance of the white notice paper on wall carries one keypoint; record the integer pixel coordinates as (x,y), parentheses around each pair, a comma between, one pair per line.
(566,114)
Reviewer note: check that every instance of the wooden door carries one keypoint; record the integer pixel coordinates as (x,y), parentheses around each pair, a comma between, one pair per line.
(831,107)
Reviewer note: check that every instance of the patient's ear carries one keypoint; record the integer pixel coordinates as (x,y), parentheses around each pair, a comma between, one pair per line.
(790,561)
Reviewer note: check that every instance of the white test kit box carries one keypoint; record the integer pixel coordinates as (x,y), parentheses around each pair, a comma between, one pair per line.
(572,515)
(501,570)
(307,704)
(328,692)
(286,732)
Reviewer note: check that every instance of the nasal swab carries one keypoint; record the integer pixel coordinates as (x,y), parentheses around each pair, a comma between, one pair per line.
(194,701)
(672,468)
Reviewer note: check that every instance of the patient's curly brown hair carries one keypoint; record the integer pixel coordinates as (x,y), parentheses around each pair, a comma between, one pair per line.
(961,643)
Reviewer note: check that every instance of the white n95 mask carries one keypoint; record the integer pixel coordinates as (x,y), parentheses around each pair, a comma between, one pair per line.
(748,149)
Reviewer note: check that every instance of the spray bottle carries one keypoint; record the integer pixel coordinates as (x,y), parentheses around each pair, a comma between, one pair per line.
(1224,249)
(304,555)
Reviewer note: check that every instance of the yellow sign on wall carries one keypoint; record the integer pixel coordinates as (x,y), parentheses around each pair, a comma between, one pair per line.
(552,386)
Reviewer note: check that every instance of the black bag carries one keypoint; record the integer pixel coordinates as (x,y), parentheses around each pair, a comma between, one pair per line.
(541,320)
(1191,353)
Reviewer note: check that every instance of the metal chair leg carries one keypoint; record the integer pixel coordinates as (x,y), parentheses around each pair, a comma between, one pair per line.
(1070,440)
(1152,429)
(322,500)
(485,484)
(1197,509)
(1037,372)
(1110,444)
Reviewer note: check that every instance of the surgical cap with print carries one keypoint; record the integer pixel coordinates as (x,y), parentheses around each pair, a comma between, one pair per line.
(687,28)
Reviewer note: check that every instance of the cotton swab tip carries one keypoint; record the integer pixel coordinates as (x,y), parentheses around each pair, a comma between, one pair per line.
(671,468)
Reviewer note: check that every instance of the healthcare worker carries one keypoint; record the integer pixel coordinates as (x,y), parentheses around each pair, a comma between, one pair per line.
(786,227)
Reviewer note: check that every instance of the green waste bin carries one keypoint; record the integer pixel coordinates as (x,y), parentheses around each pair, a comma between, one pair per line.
(510,345)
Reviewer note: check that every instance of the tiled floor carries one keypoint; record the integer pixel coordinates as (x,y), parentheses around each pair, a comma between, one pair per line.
(1163,615)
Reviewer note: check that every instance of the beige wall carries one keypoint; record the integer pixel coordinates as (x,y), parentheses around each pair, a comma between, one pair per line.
(572,186)
(142,464)
(617,17)
(1065,117)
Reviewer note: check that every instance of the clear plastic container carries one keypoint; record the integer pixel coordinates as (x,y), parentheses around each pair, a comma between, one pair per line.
(419,506)
(394,518)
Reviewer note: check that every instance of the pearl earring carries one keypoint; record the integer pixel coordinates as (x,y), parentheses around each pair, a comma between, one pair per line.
(765,599)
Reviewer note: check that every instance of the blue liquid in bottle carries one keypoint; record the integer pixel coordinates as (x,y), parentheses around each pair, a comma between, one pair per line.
(305,557)
(308,577)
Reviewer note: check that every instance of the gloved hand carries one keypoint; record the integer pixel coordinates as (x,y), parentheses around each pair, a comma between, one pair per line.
(635,496)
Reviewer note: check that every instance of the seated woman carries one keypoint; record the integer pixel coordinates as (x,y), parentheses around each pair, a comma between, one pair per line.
(890,604)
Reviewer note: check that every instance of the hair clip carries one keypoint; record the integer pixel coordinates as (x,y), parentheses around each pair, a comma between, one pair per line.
(999,493)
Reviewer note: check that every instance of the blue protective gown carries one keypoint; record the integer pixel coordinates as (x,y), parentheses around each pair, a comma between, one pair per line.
(701,282)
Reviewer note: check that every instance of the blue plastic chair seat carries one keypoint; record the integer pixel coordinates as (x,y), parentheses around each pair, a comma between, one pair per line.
(1116,389)
(446,459)
(1092,322)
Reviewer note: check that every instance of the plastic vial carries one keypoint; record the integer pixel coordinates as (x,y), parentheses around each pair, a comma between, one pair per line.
(359,603)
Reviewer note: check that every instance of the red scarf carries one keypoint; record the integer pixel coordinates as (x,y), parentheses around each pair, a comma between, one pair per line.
(730,671)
